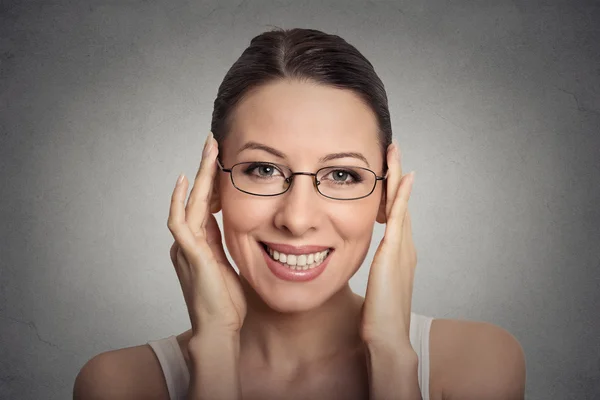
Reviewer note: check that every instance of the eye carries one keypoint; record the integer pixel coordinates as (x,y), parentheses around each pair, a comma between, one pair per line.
(342,176)
(262,170)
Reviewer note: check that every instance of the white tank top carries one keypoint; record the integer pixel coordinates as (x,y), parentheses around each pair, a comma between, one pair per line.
(178,377)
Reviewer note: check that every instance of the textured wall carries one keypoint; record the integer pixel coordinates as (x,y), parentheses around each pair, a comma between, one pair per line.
(103,103)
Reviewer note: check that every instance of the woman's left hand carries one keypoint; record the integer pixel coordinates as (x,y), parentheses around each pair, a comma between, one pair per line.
(387,306)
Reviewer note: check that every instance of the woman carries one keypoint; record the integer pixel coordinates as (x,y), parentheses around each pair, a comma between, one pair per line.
(302,165)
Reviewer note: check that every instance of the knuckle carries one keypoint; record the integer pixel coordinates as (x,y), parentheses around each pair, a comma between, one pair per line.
(171,225)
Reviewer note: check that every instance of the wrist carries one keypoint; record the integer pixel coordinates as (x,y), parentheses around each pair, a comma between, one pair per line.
(393,372)
(211,335)
(388,354)
(393,347)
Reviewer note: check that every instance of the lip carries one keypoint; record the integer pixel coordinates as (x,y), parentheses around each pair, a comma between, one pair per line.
(296,250)
(288,274)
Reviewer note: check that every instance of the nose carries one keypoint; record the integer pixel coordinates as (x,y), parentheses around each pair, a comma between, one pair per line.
(298,211)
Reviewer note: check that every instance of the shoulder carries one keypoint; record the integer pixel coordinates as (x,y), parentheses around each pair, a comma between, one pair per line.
(128,373)
(474,360)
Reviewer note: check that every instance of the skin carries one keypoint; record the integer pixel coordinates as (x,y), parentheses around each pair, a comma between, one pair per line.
(311,337)
(254,336)
(291,328)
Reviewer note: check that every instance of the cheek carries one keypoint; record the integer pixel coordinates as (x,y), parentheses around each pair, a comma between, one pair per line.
(355,227)
(242,212)
(242,215)
(355,220)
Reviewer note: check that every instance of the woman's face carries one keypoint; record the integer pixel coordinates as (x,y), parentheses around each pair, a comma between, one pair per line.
(303,122)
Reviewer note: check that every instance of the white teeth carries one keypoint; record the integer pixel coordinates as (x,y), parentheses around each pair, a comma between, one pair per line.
(301,261)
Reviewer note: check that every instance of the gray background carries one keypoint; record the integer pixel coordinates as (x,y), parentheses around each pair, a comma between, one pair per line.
(103,103)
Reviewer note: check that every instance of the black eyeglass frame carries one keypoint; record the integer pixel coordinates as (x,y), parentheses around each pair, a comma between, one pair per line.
(290,179)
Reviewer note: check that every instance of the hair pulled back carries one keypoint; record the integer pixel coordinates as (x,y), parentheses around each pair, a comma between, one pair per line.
(305,55)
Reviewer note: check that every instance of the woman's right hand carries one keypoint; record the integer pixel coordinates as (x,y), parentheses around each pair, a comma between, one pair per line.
(211,287)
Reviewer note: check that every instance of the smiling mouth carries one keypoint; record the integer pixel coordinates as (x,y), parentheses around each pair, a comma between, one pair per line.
(297,261)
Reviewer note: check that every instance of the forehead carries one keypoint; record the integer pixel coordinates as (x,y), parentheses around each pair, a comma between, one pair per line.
(306,117)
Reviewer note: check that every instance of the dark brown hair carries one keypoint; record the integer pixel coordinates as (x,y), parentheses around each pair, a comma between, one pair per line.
(306,55)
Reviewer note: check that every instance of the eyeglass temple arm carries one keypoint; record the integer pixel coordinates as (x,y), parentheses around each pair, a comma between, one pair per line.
(221,166)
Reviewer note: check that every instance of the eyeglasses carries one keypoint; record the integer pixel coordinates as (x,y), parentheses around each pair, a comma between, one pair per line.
(260,178)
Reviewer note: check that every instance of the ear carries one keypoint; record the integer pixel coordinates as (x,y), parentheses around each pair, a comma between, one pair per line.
(215,196)
(381,217)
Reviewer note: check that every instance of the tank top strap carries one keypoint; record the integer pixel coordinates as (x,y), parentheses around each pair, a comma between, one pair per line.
(173,365)
(420,326)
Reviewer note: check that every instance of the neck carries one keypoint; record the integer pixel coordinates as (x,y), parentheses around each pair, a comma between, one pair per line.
(294,341)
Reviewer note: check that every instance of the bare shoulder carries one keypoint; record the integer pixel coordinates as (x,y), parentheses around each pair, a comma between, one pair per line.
(128,373)
(474,360)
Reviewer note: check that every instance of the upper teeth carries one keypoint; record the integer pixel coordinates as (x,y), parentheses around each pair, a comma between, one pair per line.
(299,261)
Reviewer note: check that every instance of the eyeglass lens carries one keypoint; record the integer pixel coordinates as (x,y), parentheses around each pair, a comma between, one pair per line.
(268,179)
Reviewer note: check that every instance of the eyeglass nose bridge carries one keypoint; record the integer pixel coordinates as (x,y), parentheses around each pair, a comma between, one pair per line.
(290,178)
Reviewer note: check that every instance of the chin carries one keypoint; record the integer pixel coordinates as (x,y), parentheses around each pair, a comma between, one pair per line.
(288,304)
(285,297)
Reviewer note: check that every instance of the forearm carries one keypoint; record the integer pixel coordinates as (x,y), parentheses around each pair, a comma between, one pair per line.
(393,373)
(214,373)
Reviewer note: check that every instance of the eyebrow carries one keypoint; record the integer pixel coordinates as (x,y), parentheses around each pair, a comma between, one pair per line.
(333,156)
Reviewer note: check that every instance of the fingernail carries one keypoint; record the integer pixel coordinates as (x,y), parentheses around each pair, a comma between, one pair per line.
(180,179)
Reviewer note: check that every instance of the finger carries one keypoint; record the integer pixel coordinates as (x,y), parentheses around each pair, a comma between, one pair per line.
(394,177)
(199,200)
(197,252)
(208,214)
(395,222)
(176,221)
(407,240)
